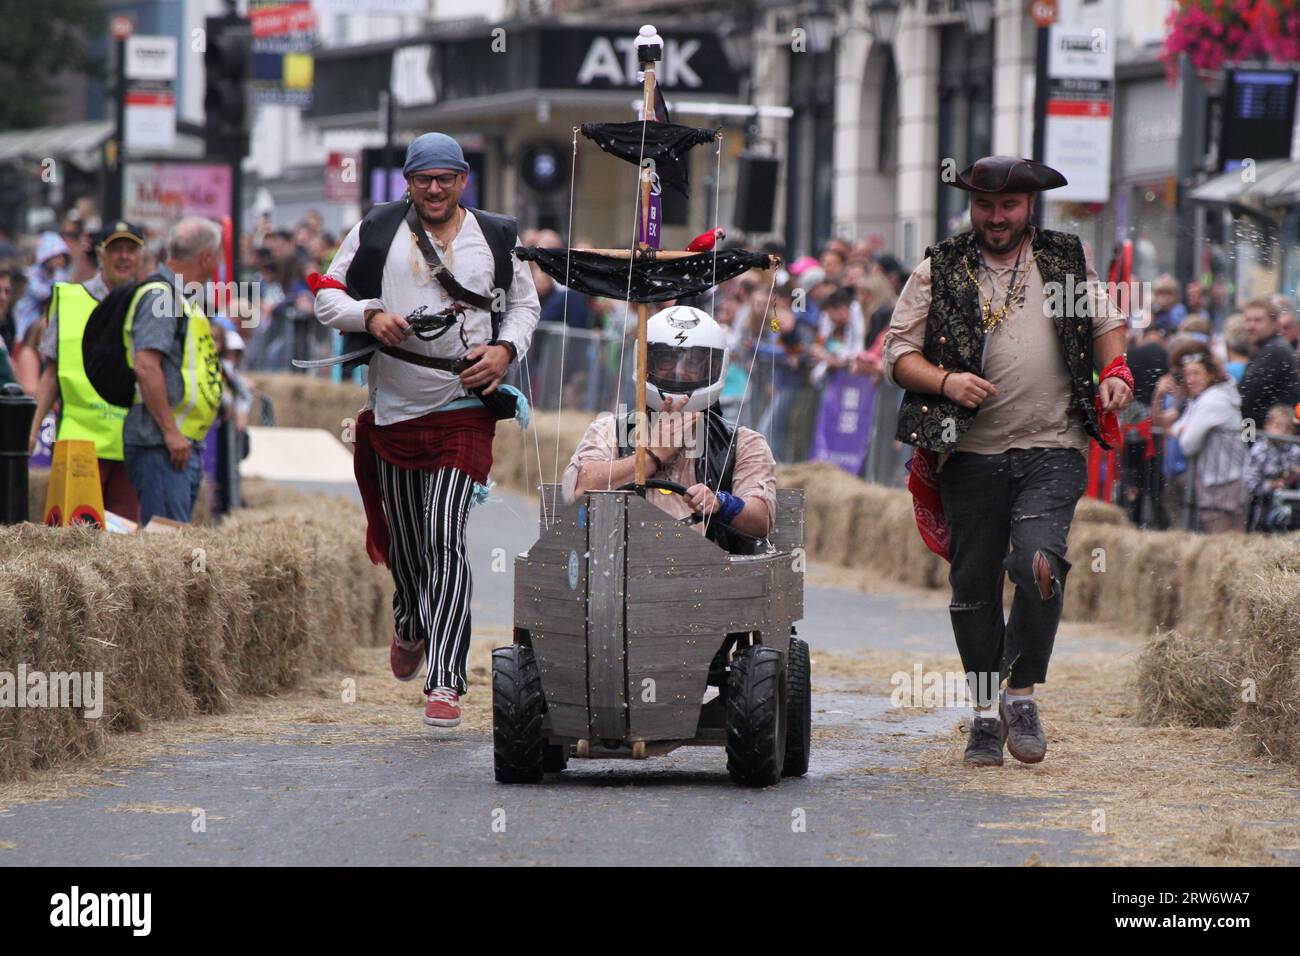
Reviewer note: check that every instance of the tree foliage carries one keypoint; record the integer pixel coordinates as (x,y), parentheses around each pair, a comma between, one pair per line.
(42,40)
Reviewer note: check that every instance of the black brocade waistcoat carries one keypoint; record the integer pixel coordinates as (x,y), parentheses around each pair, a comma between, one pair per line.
(954,334)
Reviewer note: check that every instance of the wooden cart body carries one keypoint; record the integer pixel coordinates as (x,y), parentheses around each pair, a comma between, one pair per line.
(625,607)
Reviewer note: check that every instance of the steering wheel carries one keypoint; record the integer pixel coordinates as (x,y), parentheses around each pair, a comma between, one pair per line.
(663,484)
(694,517)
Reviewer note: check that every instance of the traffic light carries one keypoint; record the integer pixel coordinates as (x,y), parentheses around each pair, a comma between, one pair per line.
(228,62)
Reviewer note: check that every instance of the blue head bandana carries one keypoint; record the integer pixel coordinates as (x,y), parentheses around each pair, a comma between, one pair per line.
(434,151)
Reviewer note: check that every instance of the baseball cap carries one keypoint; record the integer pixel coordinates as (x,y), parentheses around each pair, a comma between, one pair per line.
(119,229)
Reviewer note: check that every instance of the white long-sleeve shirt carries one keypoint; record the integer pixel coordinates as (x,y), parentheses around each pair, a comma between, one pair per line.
(400,390)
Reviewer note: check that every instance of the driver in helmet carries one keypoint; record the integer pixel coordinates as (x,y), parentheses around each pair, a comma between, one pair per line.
(729,474)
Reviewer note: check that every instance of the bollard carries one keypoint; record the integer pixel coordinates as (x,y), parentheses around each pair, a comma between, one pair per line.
(16,413)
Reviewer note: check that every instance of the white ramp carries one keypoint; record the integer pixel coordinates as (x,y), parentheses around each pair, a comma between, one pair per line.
(296,454)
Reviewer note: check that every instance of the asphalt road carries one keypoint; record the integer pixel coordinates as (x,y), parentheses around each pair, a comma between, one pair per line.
(408,797)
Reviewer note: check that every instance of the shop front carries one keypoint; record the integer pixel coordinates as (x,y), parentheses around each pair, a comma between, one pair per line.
(518,92)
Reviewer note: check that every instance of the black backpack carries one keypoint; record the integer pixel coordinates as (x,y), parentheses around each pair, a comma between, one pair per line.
(103,353)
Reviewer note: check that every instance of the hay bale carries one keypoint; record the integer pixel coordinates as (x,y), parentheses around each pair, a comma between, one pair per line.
(1271,722)
(179,623)
(1095,511)
(1187,680)
(304,401)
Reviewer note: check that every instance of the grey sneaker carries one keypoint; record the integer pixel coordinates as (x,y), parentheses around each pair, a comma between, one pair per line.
(1025,737)
(984,748)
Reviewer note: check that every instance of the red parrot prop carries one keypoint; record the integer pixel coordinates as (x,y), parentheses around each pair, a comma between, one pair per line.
(705,241)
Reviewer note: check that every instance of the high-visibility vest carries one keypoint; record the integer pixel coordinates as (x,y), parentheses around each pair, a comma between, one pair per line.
(200,367)
(86,416)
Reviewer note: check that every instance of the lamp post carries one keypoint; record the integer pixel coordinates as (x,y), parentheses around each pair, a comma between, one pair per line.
(884,20)
(978,15)
(819,23)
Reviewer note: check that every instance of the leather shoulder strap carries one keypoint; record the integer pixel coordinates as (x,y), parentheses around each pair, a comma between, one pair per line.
(440,272)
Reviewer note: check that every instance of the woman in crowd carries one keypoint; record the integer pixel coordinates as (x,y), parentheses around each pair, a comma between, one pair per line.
(1209,431)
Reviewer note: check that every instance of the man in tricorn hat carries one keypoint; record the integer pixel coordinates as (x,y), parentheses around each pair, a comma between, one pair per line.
(996,337)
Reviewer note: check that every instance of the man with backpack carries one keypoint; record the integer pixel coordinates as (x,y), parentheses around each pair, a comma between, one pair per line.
(84,413)
(448,322)
(176,372)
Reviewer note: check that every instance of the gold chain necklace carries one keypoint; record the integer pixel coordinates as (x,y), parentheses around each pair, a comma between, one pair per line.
(992,317)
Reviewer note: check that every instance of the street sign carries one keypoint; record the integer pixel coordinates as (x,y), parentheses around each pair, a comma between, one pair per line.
(1043,12)
(343,177)
(122,27)
(1080,90)
(150,94)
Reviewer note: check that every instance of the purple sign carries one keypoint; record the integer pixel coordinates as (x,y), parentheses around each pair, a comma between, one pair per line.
(43,453)
(844,420)
(648,232)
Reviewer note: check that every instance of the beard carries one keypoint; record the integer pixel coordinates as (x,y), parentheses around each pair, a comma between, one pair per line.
(438,218)
(998,243)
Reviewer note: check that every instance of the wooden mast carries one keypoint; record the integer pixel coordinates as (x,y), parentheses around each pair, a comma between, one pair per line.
(649,49)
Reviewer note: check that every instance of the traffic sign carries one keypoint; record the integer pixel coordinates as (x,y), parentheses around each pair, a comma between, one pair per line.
(1043,12)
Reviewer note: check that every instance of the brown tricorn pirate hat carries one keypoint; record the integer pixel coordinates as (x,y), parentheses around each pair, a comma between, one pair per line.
(1008,174)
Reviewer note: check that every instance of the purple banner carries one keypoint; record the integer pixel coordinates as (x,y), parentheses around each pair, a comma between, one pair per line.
(650,235)
(43,453)
(844,420)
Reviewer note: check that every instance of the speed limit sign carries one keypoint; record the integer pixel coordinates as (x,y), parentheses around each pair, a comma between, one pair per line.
(1043,12)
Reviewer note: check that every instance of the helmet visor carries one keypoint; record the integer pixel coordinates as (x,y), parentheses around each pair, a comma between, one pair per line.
(680,371)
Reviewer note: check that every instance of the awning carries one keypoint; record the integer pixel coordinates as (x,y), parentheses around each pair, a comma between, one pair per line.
(1275,184)
(78,143)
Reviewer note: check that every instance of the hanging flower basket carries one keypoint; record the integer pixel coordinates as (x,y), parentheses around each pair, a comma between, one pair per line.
(1215,33)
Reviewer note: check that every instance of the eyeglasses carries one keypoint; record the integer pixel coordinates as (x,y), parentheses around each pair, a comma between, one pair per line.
(444,180)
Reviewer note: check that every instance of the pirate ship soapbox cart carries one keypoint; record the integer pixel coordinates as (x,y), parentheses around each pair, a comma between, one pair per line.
(624,616)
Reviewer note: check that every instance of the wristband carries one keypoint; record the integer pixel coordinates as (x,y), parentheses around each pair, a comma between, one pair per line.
(942,384)
(729,506)
(659,465)
(370,314)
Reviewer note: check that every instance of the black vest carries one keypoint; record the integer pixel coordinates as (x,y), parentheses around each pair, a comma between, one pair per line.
(714,469)
(365,275)
(954,334)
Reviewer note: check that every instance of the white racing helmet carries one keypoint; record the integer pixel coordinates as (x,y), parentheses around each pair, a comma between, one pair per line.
(686,355)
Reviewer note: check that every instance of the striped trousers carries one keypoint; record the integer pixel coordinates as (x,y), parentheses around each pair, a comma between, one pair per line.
(426,552)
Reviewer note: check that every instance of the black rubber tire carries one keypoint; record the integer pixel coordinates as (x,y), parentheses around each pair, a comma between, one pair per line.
(555,757)
(756,695)
(517,706)
(798,710)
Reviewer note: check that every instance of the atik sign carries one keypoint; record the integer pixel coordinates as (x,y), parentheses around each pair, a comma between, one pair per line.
(583,58)
(1080,89)
(150,93)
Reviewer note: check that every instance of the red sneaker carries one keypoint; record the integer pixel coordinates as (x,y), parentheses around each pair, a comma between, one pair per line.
(405,663)
(443,708)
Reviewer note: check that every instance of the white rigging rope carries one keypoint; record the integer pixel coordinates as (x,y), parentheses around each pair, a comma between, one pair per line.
(547,519)
(631,261)
(735,426)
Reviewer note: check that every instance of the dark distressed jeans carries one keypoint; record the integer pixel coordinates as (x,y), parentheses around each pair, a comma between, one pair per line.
(1024,500)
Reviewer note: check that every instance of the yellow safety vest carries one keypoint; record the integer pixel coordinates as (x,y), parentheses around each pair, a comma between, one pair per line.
(200,367)
(86,416)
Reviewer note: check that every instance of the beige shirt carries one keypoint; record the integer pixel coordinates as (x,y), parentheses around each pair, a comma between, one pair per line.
(754,474)
(1022,357)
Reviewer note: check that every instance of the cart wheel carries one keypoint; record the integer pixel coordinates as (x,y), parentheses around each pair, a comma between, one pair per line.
(798,710)
(756,733)
(517,705)
(555,757)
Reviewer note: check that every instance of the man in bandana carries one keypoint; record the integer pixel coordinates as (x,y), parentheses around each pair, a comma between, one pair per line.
(424,441)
